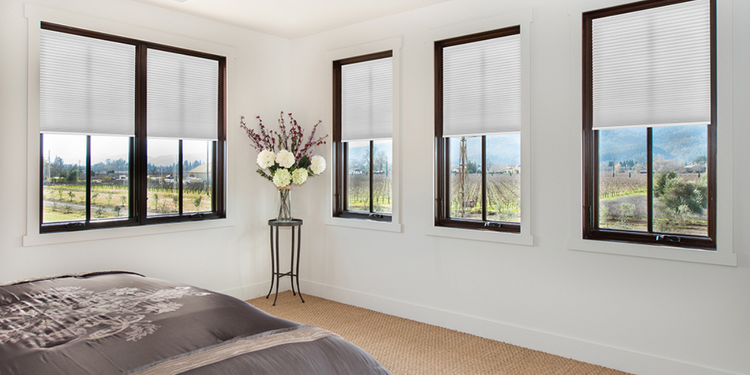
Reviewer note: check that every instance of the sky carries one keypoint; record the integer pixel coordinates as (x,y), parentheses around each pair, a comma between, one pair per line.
(72,149)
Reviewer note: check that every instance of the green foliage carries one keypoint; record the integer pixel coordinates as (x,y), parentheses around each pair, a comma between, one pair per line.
(265,175)
(304,162)
(680,194)
(473,168)
(627,209)
(603,215)
(72,175)
(660,182)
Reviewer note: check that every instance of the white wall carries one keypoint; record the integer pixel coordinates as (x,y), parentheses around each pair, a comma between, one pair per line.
(642,315)
(233,258)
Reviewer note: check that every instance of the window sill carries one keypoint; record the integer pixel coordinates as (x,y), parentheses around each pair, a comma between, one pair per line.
(482,235)
(365,224)
(718,257)
(112,233)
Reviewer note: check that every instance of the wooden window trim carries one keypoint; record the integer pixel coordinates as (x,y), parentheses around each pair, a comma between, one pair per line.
(341,149)
(442,154)
(590,224)
(138,148)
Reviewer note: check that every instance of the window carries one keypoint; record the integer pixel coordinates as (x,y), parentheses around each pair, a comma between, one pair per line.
(363,126)
(650,123)
(478,119)
(131,132)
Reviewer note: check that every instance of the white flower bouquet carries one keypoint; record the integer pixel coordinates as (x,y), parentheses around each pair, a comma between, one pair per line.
(286,156)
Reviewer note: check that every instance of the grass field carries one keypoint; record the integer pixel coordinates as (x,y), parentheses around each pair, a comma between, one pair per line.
(67,202)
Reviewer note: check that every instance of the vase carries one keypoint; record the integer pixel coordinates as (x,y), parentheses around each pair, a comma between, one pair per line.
(285,204)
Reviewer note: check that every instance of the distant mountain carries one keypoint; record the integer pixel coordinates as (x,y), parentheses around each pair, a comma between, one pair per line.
(167,160)
(681,143)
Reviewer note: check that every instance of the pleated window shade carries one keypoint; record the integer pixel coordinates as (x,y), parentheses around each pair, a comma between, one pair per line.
(182,96)
(652,67)
(482,87)
(367,100)
(87,85)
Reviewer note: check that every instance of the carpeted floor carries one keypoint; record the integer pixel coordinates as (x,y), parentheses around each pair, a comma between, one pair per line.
(407,347)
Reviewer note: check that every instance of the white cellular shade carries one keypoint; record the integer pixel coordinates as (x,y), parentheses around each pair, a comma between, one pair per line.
(182,96)
(482,87)
(86,86)
(653,67)
(367,100)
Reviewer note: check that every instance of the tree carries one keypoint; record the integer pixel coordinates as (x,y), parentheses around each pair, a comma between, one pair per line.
(678,199)
(680,194)
(57,168)
(72,175)
(660,182)
(381,162)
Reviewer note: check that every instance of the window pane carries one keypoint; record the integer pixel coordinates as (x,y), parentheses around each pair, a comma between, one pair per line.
(163,185)
(64,174)
(196,183)
(504,177)
(110,177)
(358,179)
(623,179)
(465,180)
(382,176)
(680,188)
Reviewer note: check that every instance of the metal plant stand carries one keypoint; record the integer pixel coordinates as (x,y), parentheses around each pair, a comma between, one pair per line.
(293,273)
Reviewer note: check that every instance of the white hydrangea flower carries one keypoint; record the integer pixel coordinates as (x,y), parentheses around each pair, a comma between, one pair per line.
(285,158)
(299,176)
(282,177)
(266,159)
(318,164)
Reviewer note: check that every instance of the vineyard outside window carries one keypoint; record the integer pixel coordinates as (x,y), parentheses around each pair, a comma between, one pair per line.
(650,124)
(478,131)
(104,162)
(363,144)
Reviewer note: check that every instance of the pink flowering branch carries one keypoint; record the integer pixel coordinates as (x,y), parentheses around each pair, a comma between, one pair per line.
(291,139)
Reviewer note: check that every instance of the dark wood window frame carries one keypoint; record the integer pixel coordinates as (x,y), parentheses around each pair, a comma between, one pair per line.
(341,149)
(590,223)
(138,157)
(442,146)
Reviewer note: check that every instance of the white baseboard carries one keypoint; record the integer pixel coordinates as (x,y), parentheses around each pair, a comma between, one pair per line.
(581,350)
(254,291)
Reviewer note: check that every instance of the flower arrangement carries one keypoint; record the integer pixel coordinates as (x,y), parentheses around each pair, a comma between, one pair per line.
(286,156)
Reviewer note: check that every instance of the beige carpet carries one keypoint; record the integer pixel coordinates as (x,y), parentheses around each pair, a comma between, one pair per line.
(406,347)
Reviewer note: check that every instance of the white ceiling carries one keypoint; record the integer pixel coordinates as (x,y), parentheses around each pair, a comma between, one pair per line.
(291,18)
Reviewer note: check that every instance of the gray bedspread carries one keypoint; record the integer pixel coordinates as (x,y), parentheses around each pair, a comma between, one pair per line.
(124,323)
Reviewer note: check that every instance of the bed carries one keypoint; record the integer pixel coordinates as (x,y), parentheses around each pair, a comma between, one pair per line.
(124,323)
